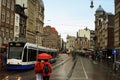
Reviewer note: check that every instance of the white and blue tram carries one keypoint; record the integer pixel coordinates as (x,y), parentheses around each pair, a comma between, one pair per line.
(22,55)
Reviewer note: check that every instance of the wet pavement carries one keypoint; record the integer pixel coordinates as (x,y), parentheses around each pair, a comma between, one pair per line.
(85,69)
(29,74)
(62,71)
(66,68)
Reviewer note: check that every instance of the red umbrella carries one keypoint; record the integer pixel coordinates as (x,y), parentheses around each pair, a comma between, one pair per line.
(44,56)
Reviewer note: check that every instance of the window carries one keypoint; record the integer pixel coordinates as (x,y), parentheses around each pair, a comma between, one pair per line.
(2,30)
(25,55)
(8,3)
(15,53)
(7,33)
(12,5)
(3,15)
(31,55)
(11,34)
(12,19)
(8,17)
(4,2)
(17,19)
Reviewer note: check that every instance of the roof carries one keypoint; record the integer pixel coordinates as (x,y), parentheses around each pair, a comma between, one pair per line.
(53,29)
(99,9)
(41,3)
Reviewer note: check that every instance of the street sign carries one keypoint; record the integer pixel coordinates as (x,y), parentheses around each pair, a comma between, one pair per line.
(114,51)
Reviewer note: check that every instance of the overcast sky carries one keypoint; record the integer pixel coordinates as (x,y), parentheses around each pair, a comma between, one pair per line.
(68,16)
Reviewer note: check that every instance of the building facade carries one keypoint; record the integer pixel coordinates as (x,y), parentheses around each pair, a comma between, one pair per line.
(7,15)
(20,23)
(92,42)
(35,20)
(86,38)
(51,38)
(70,45)
(117,24)
(104,32)
(84,33)
(117,28)
(82,43)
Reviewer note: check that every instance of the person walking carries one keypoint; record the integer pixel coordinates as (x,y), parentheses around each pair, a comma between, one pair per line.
(47,70)
(38,69)
(1,62)
(5,58)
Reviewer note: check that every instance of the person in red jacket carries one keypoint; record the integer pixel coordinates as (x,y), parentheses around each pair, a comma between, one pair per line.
(38,69)
(46,76)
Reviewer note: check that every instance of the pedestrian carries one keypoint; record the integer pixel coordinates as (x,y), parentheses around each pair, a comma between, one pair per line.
(46,76)
(38,69)
(1,62)
(5,58)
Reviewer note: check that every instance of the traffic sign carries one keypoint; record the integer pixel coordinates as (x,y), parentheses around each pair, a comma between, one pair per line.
(114,51)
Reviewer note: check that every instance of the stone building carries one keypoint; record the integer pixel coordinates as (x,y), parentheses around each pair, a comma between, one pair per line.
(104,31)
(20,23)
(7,14)
(82,43)
(117,25)
(35,20)
(92,42)
(85,38)
(70,45)
(84,33)
(117,29)
(51,38)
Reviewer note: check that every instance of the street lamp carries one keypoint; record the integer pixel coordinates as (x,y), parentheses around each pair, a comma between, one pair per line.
(91,5)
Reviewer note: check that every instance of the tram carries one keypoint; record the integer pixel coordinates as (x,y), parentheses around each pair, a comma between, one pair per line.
(22,55)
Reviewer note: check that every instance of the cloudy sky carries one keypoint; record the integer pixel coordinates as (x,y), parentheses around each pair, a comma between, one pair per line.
(68,16)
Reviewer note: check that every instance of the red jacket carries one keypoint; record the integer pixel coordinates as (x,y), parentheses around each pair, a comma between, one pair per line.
(50,66)
(38,67)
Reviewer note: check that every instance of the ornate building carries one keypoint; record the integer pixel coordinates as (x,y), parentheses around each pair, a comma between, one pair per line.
(104,31)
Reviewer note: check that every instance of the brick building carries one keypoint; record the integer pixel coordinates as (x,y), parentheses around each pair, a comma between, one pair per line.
(51,38)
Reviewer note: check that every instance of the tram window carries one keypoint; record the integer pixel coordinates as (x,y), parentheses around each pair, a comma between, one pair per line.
(25,55)
(15,52)
(31,55)
(41,52)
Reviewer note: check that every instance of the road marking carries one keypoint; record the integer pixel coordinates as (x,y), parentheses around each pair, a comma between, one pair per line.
(86,76)
(77,78)
(61,63)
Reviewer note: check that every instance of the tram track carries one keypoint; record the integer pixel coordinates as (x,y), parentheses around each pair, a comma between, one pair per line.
(61,63)
(72,69)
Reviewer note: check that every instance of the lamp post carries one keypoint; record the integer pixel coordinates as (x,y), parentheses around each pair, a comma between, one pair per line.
(37,40)
(91,5)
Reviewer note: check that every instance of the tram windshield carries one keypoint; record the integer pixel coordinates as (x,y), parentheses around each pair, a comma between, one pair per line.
(15,52)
